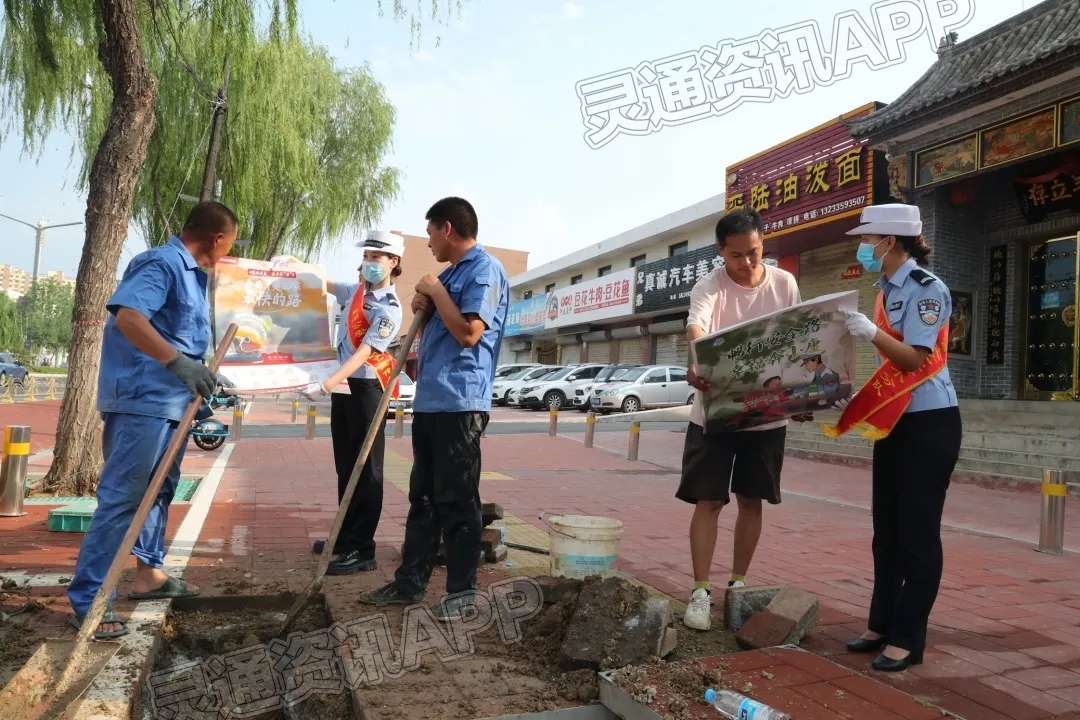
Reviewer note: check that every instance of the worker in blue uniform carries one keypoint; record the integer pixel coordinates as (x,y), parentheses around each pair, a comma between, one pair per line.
(909,406)
(458,352)
(155,339)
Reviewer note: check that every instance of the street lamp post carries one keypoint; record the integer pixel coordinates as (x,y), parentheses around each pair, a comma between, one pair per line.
(39,229)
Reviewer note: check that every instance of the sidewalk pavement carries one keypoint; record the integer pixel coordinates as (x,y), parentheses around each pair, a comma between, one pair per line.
(1005,637)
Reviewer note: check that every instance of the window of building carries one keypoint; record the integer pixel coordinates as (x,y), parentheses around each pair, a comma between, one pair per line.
(575,280)
(678,249)
(549,288)
(603,271)
(527,295)
(637,260)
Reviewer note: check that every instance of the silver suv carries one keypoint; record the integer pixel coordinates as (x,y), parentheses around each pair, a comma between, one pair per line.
(643,388)
(555,391)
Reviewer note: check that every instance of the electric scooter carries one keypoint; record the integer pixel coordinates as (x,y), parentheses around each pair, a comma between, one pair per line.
(208,433)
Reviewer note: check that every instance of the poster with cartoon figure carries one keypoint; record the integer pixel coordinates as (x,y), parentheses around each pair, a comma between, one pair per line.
(283,339)
(790,362)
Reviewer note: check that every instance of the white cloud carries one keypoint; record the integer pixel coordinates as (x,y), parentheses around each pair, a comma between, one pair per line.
(572,10)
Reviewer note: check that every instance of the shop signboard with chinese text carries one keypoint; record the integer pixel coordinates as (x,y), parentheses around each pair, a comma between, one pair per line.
(995,335)
(821,176)
(667,283)
(606,297)
(526,316)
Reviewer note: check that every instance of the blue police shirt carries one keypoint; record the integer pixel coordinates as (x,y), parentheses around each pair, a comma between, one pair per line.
(452,378)
(166,286)
(918,307)
(383,312)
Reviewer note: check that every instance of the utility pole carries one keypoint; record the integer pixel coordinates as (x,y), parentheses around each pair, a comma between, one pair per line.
(39,229)
(221,105)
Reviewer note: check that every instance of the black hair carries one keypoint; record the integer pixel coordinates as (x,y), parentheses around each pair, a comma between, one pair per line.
(738,222)
(397,269)
(459,213)
(915,246)
(210,218)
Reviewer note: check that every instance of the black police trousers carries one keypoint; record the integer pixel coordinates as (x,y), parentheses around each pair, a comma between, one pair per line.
(911,472)
(444,500)
(350,417)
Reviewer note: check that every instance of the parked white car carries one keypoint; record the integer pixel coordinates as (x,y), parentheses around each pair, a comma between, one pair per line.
(584,390)
(643,388)
(406,394)
(503,388)
(505,371)
(556,391)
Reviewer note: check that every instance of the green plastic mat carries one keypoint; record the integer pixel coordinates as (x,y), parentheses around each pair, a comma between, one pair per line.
(75,513)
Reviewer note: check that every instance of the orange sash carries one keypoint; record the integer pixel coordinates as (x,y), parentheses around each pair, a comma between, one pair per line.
(881,402)
(381,362)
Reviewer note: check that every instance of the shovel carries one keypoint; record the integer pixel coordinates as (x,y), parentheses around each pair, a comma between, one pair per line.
(343,507)
(60,670)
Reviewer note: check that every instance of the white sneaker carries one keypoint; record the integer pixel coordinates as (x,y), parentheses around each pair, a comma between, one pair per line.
(699,612)
(736,584)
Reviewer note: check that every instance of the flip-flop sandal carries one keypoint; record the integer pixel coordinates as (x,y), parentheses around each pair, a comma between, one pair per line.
(171,588)
(110,618)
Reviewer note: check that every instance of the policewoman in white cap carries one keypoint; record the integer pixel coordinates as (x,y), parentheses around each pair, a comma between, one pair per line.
(909,408)
(370,321)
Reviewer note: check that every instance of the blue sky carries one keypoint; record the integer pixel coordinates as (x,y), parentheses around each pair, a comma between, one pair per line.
(492,114)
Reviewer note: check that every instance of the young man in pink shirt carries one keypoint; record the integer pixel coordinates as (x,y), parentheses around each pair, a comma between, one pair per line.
(745,462)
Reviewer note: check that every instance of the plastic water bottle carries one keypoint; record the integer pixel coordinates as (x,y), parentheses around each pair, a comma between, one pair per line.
(739,707)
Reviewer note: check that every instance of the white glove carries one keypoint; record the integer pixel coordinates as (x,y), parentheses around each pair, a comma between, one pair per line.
(314,391)
(842,404)
(859,325)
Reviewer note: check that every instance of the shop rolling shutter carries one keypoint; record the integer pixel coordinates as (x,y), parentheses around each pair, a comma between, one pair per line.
(523,356)
(672,349)
(634,350)
(819,274)
(600,352)
(570,354)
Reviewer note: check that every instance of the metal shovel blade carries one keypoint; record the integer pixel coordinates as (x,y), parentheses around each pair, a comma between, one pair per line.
(26,696)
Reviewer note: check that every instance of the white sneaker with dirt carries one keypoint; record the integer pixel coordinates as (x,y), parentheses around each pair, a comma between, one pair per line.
(699,612)
(736,584)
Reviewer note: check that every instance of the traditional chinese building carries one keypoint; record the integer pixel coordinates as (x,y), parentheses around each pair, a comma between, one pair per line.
(810,191)
(987,143)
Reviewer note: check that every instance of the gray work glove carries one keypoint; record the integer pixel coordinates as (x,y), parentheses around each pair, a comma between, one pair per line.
(194,374)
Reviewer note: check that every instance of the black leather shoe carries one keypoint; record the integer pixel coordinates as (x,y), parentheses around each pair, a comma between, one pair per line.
(351,562)
(886,664)
(864,645)
(390,594)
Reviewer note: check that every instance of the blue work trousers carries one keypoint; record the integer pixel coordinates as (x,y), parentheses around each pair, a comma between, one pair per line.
(133,446)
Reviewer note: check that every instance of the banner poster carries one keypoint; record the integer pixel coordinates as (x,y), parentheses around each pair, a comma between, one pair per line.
(283,340)
(789,362)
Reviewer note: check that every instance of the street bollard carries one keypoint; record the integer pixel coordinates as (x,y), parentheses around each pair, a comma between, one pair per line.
(13,470)
(52,388)
(237,421)
(553,422)
(311,422)
(399,422)
(9,394)
(34,389)
(295,410)
(1052,523)
(590,428)
(635,440)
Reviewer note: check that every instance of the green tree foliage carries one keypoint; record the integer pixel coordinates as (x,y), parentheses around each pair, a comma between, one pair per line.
(46,314)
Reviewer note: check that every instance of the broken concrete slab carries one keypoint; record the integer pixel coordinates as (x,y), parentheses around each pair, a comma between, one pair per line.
(614,624)
(669,642)
(495,554)
(741,603)
(491,512)
(785,621)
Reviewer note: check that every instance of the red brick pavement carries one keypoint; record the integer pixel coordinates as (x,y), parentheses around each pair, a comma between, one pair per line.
(1005,638)
(40,416)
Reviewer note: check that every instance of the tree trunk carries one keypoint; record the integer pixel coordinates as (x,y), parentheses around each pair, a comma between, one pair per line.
(115,171)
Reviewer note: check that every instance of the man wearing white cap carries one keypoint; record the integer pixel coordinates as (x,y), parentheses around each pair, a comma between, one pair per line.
(370,319)
(909,409)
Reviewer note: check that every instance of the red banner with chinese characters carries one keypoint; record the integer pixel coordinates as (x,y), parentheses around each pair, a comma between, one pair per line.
(821,176)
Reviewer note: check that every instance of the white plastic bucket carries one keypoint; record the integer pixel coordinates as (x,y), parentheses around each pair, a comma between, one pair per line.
(583,545)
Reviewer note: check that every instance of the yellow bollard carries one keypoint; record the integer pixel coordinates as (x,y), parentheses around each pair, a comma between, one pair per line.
(635,440)
(1052,521)
(399,422)
(9,393)
(52,388)
(295,410)
(553,422)
(311,422)
(590,428)
(237,421)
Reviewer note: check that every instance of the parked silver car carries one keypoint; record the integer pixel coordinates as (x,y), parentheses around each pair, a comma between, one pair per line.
(643,388)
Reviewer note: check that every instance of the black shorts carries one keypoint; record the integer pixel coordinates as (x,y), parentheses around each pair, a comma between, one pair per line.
(747,463)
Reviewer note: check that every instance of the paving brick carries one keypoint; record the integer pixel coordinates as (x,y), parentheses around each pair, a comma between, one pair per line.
(765,629)
(741,603)
(1055,654)
(885,697)
(1046,678)
(1029,695)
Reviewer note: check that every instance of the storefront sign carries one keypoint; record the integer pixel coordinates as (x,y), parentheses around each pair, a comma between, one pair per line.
(821,176)
(995,336)
(667,283)
(1058,189)
(606,297)
(526,316)
(852,272)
